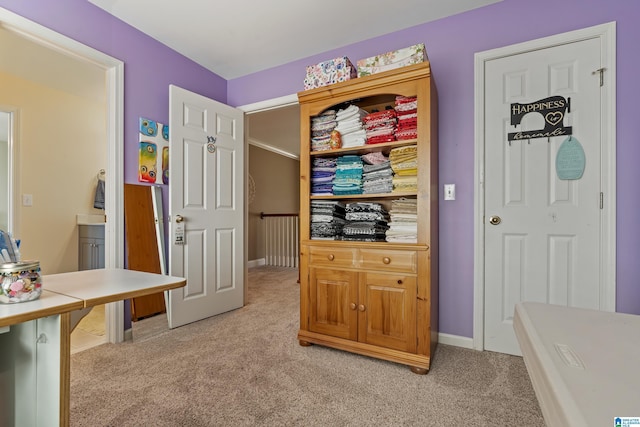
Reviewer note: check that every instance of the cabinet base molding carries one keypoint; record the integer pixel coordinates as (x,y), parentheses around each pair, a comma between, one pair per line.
(419,364)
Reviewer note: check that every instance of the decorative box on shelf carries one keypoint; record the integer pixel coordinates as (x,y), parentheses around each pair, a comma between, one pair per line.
(392,60)
(328,72)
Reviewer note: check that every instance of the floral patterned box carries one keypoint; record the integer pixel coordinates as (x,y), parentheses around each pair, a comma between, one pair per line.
(329,72)
(392,60)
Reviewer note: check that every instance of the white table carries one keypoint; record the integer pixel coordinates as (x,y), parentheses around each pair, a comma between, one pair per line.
(584,364)
(35,339)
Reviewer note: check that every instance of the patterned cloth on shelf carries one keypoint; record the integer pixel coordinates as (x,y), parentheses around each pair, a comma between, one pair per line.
(403,225)
(327,219)
(365,221)
(321,127)
(404,162)
(407,113)
(348,179)
(376,174)
(323,170)
(380,126)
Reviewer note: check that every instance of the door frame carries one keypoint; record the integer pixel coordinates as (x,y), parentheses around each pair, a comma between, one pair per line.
(607,35)
(114,75)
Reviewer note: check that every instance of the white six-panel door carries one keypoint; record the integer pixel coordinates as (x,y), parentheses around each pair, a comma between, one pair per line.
(206,200)
(546,247)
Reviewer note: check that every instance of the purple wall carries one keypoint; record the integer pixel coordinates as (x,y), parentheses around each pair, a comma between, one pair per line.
(451,44)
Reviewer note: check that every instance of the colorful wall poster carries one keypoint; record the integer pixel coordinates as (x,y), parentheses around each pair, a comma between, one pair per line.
(154,152)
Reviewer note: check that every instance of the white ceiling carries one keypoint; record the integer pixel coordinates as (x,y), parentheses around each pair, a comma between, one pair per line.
(239,37)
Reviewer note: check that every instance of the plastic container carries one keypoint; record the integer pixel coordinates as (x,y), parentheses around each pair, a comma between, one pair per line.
(21,281)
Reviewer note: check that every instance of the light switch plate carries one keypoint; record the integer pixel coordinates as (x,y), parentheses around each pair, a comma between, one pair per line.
(449,191)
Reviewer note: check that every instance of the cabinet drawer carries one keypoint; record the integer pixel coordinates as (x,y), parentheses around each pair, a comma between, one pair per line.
(338,257)
(94,231)
(389,260)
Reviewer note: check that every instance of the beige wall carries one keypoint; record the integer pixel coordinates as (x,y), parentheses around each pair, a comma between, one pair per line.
(277,181)
(62,147)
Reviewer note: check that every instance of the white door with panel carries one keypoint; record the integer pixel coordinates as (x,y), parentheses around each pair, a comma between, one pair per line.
(542,234)
(207,207)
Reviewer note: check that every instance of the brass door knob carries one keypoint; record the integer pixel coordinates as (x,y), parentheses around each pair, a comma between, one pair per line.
(495,220)
(331,257)
(361,307)
(352,306)
(386,260)
(179,219)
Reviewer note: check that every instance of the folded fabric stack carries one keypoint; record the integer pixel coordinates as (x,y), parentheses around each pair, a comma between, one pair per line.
(404,162)
(407,111)
(327,219)
(348,179)
(403,226)
(376,174)
(350,126)
(321,127)
(365,221)
(380,126)
(323,170)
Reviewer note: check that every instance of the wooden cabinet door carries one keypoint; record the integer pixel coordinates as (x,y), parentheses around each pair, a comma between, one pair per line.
(333,298)
(387,311)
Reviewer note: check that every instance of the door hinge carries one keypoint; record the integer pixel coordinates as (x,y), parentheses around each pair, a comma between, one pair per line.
(601,72)
(601,200)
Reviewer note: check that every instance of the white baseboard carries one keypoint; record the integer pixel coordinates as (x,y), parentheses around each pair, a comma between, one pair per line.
(446,339)
(455,340)
(256,262)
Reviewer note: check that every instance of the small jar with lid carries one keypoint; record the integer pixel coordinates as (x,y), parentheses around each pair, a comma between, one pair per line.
(20,281)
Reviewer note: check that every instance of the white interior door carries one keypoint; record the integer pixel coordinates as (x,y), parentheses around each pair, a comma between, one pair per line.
(206,200)
(547,244)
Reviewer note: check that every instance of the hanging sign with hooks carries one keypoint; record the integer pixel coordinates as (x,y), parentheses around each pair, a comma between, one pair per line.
(552,109)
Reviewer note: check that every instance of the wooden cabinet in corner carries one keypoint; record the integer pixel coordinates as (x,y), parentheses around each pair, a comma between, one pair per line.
(372,296)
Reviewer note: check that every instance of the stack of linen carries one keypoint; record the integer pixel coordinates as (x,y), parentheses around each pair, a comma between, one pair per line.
(380,126)
(404,162)
(327,219)
(348,179)
(323,171)
(376,174)
(407,112)
(321,127)
(366,222)
(403,226)
(350,126)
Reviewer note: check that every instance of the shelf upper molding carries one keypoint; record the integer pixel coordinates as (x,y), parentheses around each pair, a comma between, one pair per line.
(368,83)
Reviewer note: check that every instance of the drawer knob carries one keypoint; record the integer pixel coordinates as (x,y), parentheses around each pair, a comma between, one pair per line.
(361,307)
(331,257)
(399,281)
(353,306)
(386,260)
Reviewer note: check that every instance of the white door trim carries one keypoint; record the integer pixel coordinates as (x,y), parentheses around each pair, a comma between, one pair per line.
(269,104)
(607,35)
(114,73)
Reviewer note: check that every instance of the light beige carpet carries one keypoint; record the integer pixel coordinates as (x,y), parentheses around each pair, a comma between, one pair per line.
(245,368)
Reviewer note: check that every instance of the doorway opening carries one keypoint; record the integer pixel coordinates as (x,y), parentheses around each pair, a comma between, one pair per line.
(20,28)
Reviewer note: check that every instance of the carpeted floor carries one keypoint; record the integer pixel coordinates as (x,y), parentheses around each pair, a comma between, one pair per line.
(245,368)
